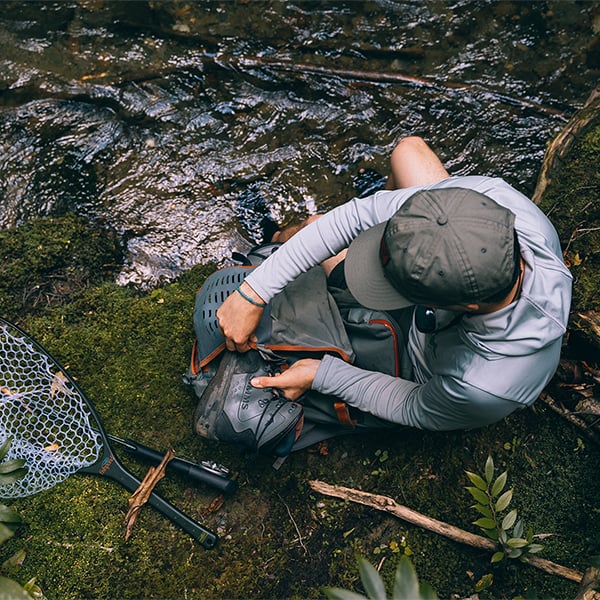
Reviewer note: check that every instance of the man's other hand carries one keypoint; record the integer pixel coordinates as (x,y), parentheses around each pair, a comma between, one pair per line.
(293,382)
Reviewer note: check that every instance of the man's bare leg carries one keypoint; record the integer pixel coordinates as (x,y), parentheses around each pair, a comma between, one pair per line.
(285,234)
(413,162)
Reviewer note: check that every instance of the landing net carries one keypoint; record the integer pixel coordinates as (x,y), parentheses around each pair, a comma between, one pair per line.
(44,414)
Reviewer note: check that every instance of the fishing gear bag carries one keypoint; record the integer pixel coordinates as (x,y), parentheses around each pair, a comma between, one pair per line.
(307,319)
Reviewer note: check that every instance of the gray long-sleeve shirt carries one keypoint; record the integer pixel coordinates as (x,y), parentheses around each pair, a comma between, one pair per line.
(471,374)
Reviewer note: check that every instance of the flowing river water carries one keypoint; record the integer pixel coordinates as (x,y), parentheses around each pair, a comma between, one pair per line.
(179,124)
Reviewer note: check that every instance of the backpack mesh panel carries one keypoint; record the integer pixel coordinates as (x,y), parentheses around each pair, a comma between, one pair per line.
(208,300)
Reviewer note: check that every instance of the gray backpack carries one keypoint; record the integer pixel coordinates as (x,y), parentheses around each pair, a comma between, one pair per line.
(306,319)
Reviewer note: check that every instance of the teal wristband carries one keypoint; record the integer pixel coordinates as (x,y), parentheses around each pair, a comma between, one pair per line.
(251,300)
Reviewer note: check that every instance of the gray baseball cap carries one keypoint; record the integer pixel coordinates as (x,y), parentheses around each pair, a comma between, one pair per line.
(443,247)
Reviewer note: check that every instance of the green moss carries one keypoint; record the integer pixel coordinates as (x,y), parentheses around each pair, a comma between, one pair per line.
(46,260)
(572,202)
(279,539)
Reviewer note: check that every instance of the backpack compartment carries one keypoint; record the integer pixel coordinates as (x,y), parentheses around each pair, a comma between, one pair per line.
(376,339)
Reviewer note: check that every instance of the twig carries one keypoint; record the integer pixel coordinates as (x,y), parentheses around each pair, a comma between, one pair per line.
(561,144)
(141,495)
(388,505)
(548,400)
(589,583)
(295,526)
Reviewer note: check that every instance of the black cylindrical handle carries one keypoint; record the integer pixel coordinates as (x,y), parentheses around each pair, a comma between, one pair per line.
(186,468)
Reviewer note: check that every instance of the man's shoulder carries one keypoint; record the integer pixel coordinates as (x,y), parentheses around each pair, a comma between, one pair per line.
(480,183)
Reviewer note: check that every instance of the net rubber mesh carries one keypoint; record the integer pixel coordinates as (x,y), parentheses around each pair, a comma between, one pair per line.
(44,414)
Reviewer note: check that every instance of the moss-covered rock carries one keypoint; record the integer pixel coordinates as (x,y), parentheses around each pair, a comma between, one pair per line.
(46,260)
(569,192)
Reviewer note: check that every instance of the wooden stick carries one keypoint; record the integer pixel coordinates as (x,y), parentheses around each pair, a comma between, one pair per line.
(141,495)
(589,584)
(549,401)
(388,505)
(393,77)
(561,144)
(240,63)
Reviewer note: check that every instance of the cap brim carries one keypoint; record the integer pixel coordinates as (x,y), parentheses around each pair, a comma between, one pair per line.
(365,276)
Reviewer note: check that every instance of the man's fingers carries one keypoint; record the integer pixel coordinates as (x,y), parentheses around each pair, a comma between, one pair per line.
(234,347)
(261,382)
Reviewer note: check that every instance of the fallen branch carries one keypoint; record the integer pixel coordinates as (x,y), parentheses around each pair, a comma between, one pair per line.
(141,495)
(388,505)
(549,401)
(589,323)
(561,144)
(87,84)
(589,584)
(391,77)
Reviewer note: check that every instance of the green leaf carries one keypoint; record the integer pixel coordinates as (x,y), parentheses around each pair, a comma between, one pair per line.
(502,536)
(371,580)
(484,510)
(477,481)
(499,484)
(485,523)
(341,594)
(504,501)
(534,548)
(14,561)
(518,530)
(485,582)
(516,543)
(11,589)
(509,520)
(406,583)
(515,553)
(11,465)
(8,515)
(5,447)
(529,535)
(497,557)
(5,533)
(6,478)
(34,590)
(489,469)
(480,496)
(426,592)
(492,534)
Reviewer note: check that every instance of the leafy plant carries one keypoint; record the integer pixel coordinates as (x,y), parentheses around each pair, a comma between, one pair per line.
(406,584)
(10,471)
(491,502)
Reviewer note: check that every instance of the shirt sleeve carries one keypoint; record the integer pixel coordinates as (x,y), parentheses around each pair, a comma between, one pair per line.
(441,404)
(323,239)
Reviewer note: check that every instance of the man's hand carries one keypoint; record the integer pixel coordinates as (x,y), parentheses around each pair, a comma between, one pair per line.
(294,382)
(239,318)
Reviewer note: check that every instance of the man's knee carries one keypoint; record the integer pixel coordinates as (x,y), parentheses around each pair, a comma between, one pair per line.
(413,162)
(409,145)
(285,234)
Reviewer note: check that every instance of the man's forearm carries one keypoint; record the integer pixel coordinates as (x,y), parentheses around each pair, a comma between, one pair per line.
(382,395)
